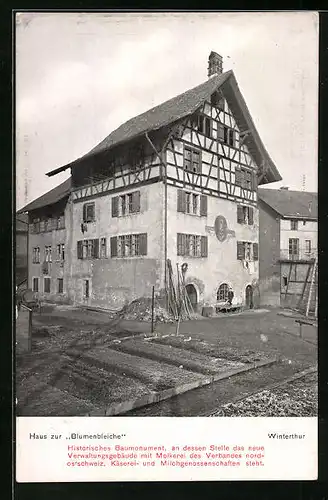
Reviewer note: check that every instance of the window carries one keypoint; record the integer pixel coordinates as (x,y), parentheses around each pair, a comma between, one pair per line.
(35,284)
(46,282)
(48,224)
(293,248)
(284,280)
(86,289)
(226,135)
(308,246)
(217,100)
(293,225)
(192,245)
(204,125)
(191,203)
(103,248)
(304,222)
(222,293)
(245,215)
(247,251)
(60,222)
(88,249)
(48,256)
(129,245)
(36,226)
(126,204)
(88,212)
(192,160)
(60,285)
(195,198)
(36,255)
(245,178)
(60,254)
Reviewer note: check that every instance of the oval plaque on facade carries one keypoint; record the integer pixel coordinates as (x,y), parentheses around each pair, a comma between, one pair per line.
(221,227)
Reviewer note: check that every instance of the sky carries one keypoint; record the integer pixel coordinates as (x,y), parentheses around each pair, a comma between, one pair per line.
(81,75)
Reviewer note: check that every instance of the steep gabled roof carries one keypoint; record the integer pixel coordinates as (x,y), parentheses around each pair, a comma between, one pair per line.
(49,198)
(291,204)
(180,107)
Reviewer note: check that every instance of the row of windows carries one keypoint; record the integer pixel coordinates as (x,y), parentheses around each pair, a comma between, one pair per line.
(134,245)
(294,224)
(60,253)
(47,285)
(121,205)
(294,246)
(47,224)
(224,134)
(128,245)
(192,162)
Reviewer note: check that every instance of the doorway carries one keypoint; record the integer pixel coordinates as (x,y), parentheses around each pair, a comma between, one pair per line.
(249,297)
(192,294)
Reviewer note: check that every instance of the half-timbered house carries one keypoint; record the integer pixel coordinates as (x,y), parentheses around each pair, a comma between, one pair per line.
(177,182)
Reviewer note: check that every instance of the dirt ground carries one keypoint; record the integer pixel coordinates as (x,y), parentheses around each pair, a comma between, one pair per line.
(295,399)
(50,381)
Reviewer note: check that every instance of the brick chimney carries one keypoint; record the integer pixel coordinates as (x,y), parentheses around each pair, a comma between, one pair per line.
(214,64)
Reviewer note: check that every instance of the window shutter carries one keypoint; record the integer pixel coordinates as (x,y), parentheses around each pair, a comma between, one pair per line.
(254,181)
(143,244)
(208,127)
(113,246)
(84,212)
(179,244)
(115,206)
(79,250)
(181,201)
(96,249)
(203,205)
(255,251)
(240,217)
(136,201)
(204,246)
(250,216)
(238,177)
(240,250)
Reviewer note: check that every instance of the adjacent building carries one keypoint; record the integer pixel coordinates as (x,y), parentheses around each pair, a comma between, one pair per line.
(21,248)
(49,222)
(177,182)
(288,244)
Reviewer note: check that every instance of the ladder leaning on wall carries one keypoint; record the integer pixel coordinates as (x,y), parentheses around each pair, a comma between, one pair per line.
(313,288)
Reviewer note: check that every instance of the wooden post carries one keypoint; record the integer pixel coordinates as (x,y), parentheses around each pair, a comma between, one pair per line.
(152,310)
(29,341)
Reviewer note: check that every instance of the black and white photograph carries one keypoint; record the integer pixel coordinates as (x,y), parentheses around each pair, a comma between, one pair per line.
(166,214)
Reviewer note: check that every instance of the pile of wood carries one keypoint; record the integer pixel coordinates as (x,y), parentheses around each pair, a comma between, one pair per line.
(178,301)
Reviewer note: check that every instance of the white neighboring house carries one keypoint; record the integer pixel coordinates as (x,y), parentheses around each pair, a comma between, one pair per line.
(287,243)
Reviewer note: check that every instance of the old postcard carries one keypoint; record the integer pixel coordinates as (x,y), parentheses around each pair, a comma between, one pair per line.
(166,246)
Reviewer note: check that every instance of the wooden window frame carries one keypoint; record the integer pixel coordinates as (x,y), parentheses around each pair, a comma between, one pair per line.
(193,152)
(192,245)
(87,206)
(294,225)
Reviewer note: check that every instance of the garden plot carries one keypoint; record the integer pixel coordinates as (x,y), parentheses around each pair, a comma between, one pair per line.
(230,355)
(156,375)
(187,359)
